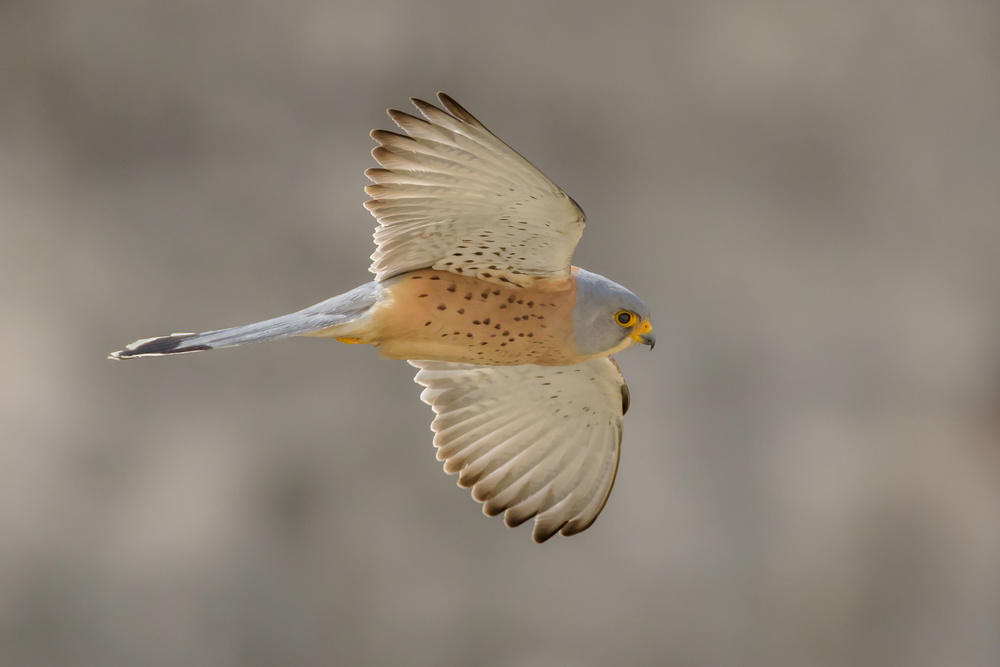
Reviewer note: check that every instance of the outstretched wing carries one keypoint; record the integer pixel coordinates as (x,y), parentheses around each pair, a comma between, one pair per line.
(531,441)
(452,196)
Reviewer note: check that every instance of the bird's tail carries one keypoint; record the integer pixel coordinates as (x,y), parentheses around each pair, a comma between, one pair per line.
(342,317)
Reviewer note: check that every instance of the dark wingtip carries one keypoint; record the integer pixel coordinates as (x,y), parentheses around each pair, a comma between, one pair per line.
(457,110)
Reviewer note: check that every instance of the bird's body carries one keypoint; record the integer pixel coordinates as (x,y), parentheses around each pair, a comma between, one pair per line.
(429,314)
(474,286)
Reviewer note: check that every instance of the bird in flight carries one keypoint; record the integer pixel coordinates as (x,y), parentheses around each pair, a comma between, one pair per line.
(474,286)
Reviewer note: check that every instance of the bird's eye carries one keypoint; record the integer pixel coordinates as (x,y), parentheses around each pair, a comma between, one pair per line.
(625,318)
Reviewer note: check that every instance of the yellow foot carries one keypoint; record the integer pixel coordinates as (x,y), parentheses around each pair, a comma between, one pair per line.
(352,341)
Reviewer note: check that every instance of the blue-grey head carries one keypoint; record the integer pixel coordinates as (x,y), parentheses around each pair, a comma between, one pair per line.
(607,318)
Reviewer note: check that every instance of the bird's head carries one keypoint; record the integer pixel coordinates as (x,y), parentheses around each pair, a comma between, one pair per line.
(607,318)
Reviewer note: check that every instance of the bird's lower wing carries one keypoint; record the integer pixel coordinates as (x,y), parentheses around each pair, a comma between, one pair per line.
(531,441)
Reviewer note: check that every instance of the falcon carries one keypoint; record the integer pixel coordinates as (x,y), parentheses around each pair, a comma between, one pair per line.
(474,286)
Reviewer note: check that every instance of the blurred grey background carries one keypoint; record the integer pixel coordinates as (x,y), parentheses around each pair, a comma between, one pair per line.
(805,193)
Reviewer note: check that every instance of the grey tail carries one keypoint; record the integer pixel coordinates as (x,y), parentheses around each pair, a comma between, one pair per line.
(340,311)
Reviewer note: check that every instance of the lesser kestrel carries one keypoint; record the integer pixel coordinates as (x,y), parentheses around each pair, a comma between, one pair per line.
(474,287)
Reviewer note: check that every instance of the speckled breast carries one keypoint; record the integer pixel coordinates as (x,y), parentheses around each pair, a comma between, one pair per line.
(439,315)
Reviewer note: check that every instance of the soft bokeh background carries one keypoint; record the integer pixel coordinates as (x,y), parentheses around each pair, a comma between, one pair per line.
(805,193)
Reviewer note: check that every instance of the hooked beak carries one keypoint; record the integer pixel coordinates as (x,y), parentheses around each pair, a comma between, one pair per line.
(644,334)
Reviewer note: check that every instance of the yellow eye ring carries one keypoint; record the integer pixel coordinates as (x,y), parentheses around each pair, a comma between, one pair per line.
(625,318)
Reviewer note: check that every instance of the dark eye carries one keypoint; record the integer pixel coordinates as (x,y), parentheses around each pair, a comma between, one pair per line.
(625,318)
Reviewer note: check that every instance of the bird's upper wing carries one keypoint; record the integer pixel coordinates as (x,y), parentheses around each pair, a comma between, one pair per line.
(452,196)
(531,441)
